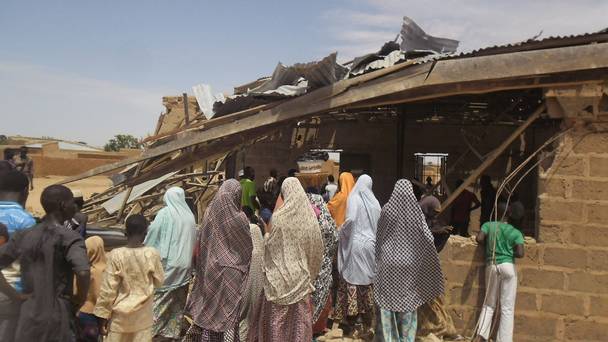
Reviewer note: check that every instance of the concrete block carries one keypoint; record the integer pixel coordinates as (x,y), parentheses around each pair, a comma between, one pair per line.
(570,166)
(531,255)
(467,295)
(599,306)
(562,304)
(590,235)
(542,279)
(526,301)
(554,233)
(554,187)
(586,330)
(472,275)
(560,211)
(597,213)
(467,252)
(598,166)
(587,282)
(598,261)
(538,326)
(590,190)
(594,143)
(565,257)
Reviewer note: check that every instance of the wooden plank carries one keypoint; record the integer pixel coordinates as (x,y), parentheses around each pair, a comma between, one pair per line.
(186,114)
(484,86)
(493,156)
(126,199)
(214,122)
(456,72)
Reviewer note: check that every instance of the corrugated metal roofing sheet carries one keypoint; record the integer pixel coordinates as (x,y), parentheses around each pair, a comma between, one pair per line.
(538,44)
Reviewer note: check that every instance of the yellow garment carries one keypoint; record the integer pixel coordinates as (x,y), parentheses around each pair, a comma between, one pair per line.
(127,290)
(138,336)
(337,205)
(97,258)
(293,249)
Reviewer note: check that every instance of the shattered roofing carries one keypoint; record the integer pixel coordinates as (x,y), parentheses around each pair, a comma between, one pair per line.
(406,82)
(415,47)
(538,44)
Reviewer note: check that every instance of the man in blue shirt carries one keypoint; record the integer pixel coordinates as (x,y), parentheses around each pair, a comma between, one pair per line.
(14,190)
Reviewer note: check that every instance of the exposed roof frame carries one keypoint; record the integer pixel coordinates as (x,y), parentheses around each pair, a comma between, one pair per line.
(425,81)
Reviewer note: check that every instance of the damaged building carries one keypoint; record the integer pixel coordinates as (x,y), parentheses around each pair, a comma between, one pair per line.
(532,115)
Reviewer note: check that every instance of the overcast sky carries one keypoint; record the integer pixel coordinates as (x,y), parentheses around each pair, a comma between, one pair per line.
(86,70)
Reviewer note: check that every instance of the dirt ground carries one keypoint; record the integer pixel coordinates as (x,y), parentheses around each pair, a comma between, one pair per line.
(86,186)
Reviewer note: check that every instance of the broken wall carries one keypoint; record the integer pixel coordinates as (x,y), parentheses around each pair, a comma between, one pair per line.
(174,116)
(563,279)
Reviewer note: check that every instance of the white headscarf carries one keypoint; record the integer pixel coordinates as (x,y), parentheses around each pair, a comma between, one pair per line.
(356,259)
(173,234)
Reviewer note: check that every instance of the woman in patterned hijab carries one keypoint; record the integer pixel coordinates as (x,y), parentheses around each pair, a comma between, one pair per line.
(292,262)
(408,270)
(321,300)
(221,268)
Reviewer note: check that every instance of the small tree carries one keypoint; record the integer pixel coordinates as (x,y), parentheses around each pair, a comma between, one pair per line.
(121,141)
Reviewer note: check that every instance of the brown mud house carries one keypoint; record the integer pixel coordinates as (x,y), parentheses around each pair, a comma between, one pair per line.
(536,111)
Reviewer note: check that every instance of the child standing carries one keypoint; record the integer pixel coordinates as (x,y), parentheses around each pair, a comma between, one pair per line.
(503,243)
(127,290)
(89,329)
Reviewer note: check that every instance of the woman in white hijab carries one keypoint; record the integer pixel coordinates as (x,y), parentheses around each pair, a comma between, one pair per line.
(172,233)
(356,256)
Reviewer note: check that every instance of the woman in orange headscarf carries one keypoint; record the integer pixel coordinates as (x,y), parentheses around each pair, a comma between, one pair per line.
(337,205)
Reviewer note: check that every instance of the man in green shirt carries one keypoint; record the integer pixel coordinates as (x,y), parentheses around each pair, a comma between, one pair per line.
(249,196)
(503,243)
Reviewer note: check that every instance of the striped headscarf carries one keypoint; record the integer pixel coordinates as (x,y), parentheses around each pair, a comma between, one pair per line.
(222,264)
(408,269)
(293,248)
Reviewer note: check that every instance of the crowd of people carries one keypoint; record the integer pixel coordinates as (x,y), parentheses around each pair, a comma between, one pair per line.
(279,263)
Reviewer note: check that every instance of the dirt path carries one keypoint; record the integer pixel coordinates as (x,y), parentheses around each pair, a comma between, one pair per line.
(86,186)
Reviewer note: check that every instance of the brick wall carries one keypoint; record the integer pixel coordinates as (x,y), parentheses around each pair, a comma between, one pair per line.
(563,280)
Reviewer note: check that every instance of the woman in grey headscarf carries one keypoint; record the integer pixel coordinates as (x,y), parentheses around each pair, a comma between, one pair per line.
(408,269)
(356,258)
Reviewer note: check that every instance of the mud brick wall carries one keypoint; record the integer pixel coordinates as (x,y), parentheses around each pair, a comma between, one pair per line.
(47,166)
(563,280)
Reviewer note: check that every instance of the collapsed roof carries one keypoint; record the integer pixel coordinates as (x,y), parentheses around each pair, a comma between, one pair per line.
(390,76)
